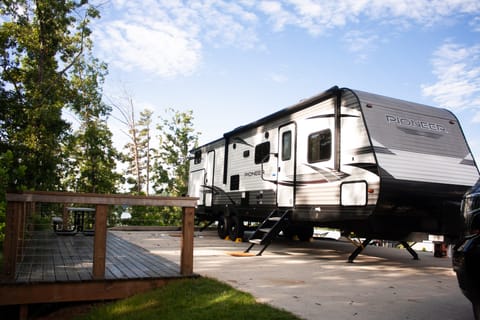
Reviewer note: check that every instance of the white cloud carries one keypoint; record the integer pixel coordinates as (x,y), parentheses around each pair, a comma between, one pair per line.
(161,49)
(279,78)
(457,69)
(476,117)
(317,16)
(277,14)
(475,24)
(167,37)
(360,43)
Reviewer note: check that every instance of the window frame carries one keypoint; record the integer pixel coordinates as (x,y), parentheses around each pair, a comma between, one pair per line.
(285,156)
(314,157)
(197,159)
(262,152)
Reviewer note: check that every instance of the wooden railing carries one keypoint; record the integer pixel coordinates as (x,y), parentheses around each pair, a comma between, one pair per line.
(18,203)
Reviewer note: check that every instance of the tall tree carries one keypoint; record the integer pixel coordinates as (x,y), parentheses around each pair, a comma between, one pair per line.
(177,137)
(91,156)
(145,151)
(138,152)
(41,42)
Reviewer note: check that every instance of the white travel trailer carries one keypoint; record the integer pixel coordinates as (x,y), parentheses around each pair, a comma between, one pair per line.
(346,159)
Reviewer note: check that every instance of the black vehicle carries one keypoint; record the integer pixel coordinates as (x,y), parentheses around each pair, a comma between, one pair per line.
(466,256)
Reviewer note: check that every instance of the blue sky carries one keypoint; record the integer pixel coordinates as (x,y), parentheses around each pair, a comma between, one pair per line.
(232,62)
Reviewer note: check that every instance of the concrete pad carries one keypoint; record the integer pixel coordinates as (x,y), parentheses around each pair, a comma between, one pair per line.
(314,281)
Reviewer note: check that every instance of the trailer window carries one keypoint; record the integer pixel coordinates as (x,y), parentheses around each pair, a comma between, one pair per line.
(320,146)
(235,182)
(198,157)
(262,152)
(286,145)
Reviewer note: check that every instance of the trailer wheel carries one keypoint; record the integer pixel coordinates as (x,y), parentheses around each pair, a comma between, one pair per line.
(305,233)
(223,226)
(288,232)
(236,228)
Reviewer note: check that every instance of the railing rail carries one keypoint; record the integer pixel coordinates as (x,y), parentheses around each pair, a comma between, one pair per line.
(17,206)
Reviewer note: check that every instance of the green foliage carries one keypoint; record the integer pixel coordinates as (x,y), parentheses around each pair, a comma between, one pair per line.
(168,172)
(139,152)
(177,138)
(9,175)
(47,67)
(154,216)
(190,299)
(91,160)
(41,43)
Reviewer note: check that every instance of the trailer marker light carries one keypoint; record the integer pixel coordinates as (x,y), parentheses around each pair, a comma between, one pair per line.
(371,191)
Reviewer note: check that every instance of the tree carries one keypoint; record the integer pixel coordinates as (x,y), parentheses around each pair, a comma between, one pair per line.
(145,152)
(177,138)
(171,164)
(91,157)
(138,151)
(42,47)
(41,42)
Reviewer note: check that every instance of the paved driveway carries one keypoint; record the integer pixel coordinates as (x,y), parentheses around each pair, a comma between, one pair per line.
(314,281)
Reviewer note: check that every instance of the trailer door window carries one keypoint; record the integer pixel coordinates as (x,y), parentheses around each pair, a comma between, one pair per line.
(286,145)
(262,152)
(320,146)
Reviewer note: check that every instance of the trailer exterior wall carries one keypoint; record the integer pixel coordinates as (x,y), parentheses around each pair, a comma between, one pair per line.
(424,161)
(394,167)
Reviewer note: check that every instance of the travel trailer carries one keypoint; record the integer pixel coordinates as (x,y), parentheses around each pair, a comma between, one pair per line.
(371,165)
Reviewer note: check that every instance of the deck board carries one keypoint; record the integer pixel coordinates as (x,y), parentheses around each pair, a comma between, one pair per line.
(49,257)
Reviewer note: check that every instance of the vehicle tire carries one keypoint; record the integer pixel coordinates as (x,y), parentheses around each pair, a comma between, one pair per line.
(305,233)
(289,232)
(236,228)
(476,310)
(223,226)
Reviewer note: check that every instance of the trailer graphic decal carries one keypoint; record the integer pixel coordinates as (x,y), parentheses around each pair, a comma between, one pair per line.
(413,123)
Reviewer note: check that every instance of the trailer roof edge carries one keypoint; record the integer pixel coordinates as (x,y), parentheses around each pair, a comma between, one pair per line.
(288,110)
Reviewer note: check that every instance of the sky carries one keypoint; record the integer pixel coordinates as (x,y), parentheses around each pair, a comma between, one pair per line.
(233,62)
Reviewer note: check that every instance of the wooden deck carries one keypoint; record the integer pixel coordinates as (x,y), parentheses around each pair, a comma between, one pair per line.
(42,266)
(58,258)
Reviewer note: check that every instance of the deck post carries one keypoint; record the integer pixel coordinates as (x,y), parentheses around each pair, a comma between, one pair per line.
(186,260)
(22,218)
(100,242)
(10,244)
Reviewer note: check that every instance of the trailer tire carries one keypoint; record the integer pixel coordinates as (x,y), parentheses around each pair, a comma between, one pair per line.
(236,228)
(288,232)
(223,226)
(305,233)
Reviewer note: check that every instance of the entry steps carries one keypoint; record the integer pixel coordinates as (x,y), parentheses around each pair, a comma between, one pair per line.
(268,230)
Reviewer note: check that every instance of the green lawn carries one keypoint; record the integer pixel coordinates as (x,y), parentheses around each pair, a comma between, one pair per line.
(198,299)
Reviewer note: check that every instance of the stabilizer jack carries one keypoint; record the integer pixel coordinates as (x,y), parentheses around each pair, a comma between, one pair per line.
(367,241)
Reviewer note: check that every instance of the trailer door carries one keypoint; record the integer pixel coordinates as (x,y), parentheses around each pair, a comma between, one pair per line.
(286,166)
(210,167)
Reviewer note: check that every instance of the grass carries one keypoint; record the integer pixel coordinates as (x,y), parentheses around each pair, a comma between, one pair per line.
(188,299)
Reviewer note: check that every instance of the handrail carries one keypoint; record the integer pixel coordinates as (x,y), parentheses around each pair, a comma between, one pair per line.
(15,220)
(96,198)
